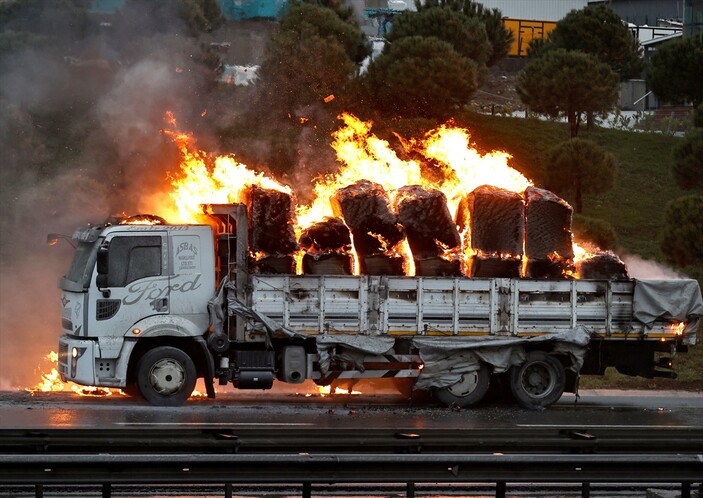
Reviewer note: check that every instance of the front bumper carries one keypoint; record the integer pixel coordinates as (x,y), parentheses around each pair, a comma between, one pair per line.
(77,360)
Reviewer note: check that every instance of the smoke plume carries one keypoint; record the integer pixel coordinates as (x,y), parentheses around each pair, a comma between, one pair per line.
(98,116)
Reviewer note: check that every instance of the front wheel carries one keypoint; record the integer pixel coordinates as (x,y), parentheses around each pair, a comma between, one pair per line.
(471,388)
(539,382)
(166,376)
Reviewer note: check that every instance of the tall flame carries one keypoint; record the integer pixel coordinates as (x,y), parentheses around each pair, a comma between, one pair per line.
(206,180)
(465,168)
(444,159)
(363,155)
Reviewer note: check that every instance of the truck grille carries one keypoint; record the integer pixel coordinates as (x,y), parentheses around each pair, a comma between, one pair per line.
(63,358)
(107,308)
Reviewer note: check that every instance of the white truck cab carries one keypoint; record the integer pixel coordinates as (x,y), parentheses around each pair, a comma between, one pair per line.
(128,283)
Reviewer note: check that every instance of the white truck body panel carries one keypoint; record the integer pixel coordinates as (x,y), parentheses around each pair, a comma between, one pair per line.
(448,306)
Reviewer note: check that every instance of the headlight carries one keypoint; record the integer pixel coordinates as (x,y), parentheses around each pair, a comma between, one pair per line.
(75,354)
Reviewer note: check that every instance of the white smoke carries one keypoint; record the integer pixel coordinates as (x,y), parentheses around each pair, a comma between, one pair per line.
(115,159)
(638,267)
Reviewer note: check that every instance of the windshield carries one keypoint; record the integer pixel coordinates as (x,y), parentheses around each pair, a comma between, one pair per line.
(82,265)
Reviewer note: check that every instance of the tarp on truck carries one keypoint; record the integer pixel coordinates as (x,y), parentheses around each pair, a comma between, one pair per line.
(446,359)
(668,300)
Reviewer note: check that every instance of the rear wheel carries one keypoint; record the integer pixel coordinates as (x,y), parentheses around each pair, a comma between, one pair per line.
(539,382)
(471,388)
(166,376)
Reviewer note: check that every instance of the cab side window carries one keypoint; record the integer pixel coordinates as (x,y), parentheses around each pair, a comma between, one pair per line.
(132,258)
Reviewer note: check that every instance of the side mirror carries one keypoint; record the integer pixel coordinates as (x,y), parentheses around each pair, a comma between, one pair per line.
(103,262)
(101,281)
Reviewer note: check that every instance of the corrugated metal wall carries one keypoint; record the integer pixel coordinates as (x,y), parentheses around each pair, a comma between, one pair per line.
(541,10)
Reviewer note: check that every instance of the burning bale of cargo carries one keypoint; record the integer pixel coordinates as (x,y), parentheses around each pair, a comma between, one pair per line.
(431,232)
(496,233)
(375,232)
(271,229)
(548,237)
(605,266)
(327,248)
(495,219)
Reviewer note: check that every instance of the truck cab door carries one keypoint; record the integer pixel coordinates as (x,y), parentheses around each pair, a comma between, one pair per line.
(132,282)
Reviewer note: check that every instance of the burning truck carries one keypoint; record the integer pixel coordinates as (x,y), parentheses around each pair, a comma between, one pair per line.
(448,277)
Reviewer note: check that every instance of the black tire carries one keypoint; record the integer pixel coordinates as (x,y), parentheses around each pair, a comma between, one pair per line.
(166,376)
(539,382)
(471,389)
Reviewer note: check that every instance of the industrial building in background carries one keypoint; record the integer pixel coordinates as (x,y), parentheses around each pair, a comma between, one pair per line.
(649,19)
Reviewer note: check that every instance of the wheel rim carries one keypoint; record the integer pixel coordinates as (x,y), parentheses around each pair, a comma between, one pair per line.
(538,379)
(465,386)
(167,376)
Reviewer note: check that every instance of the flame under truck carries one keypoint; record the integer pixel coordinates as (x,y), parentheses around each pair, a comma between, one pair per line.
(151,308)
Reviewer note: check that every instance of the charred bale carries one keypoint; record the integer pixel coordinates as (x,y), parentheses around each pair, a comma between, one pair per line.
(602,267)
(547,226)
(437,267)
(424,215)
(495,267)
(496,218)
(328,263)
(274,263)
(330,234)
(271,217)
(366,210)
(381,264)
(549,269)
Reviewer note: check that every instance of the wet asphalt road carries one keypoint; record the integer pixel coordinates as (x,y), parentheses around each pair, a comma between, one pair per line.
(288,408)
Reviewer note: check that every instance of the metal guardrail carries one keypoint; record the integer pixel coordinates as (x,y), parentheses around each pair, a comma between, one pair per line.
(224,457)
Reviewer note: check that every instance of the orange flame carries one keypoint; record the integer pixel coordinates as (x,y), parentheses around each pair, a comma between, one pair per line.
(444,159)
(207,180)
(324,391)
(50,381)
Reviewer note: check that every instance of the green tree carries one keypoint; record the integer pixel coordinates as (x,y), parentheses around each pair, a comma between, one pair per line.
(569,83)
(312,56)
(419,77)
(500,37)
(467,35)
(340,7)
(682,237)
(599,232)
(580,167)
(688,161)
(676,71)
(328,23)
(599,31)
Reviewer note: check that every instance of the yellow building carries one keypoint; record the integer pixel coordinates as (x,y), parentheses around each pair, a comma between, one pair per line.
(525,31)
